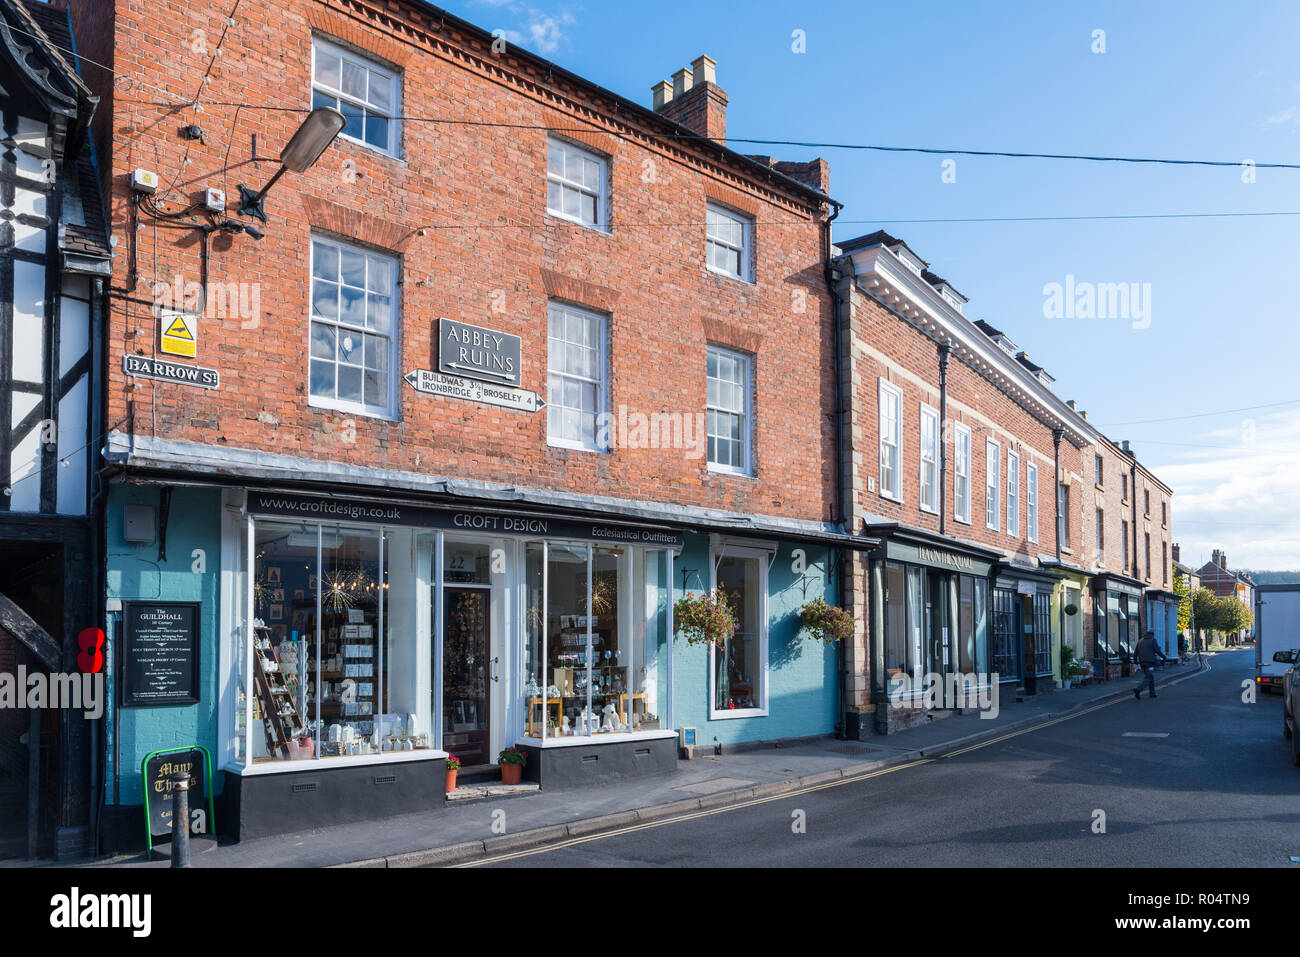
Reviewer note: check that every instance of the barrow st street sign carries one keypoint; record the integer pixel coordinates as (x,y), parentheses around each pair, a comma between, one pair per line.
(456,387)
(166,371)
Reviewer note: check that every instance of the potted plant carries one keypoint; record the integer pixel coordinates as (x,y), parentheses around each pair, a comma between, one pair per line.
(512,762)
(453,765)
(1067,666)
(826,622)
(706,618)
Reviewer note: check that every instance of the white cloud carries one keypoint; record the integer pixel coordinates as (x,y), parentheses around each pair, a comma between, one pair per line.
(1241,495)
(540,31)
(1289,115)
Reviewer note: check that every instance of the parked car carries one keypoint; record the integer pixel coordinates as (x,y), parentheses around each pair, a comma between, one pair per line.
(1291,700)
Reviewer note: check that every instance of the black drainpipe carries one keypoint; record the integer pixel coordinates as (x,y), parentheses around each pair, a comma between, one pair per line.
(945,353)
(837,516)
(1058,433)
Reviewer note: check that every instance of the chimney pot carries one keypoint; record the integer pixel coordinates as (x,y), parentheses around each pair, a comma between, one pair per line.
(663,92)
(704,69)
(682,82)
(1072,404)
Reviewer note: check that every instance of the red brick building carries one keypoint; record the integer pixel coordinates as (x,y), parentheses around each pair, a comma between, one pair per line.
(988,559)
(432,449)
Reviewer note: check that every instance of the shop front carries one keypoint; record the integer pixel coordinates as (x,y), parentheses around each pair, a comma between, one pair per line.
(1162,618)
(1069,613)
(1025,644)
(374,633)
(931,612)
(1117,610)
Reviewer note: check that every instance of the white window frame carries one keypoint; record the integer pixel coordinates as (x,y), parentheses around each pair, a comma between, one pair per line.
(320,44)
(894,493)
(961,470)
(1031,502)
(1123,543)
(746,412)
(929,458)
(601,224)
(746,249)
(717,551)
(992,484)
(602,384)
(1013,494)
(389,409)
(1063,516)
(1101,536)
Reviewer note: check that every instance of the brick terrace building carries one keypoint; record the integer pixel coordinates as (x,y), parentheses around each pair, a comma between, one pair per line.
(1004,523)
(389,552)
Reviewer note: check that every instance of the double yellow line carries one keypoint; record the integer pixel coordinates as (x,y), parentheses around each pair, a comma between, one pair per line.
(785,796)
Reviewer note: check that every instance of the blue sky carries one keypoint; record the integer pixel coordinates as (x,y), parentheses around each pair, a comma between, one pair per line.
(1194,80)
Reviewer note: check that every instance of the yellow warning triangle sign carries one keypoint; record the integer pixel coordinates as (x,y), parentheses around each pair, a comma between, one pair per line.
(179,330)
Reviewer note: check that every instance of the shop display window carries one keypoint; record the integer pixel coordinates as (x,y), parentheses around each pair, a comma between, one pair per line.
(595,658)
(322,649)
(739,663)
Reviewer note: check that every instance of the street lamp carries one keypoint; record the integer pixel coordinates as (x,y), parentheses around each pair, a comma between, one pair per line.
(316,133)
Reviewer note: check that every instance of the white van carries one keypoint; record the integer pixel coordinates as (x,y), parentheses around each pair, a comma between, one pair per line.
(1277,628)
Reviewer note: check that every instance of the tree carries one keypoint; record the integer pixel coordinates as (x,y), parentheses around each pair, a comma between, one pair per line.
(1184,594)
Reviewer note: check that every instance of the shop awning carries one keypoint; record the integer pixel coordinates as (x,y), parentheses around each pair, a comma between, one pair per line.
(161,461)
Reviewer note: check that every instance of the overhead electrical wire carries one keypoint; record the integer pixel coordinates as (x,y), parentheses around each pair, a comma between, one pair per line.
(675,134)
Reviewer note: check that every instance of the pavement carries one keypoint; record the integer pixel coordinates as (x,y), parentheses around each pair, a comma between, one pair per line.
(1200,777)
(464,830)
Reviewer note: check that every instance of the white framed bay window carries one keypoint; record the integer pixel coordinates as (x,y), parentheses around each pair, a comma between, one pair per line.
(738,668)
(891,441)
(961,472)
(929,459)
(353,335)
(728,414)
(577,370)
(992,483)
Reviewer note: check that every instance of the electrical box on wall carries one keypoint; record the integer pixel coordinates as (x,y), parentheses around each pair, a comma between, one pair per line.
(214,200)
(871,483)
(139,524)
(144,180)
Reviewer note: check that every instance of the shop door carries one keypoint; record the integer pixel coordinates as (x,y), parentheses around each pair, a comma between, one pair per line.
(936,612)
(1025,626)
(468,675)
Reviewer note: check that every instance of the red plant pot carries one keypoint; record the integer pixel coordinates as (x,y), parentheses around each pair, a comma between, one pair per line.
(451,780)
(512,773)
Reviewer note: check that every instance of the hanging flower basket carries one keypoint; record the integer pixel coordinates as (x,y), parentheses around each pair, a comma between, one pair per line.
(706,618)
(826,622)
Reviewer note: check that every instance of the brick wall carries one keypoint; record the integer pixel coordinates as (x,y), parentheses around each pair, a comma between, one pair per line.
(889,348)
(488,254)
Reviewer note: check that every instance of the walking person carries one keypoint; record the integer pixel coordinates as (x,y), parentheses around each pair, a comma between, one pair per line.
(1147,654)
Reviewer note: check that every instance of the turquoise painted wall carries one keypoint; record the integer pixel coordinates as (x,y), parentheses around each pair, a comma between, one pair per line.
(136,574)
(802,673)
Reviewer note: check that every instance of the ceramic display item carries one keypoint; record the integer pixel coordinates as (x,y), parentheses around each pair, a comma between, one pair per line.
(564,726)
(609,721)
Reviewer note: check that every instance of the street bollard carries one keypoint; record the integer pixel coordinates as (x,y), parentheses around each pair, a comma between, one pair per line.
(180,819)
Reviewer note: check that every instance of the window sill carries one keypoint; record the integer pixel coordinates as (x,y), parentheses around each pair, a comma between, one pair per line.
(345,761)
(732,276)
(733,473)
(891,498)
(575,447)
(593,227)
(961,521)
(387,154)
(614,737)
(726,714)
(928,510)
(325,405)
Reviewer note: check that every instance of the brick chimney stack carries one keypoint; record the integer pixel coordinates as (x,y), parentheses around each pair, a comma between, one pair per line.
(1223,560)
(695,100)
(1174,551)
